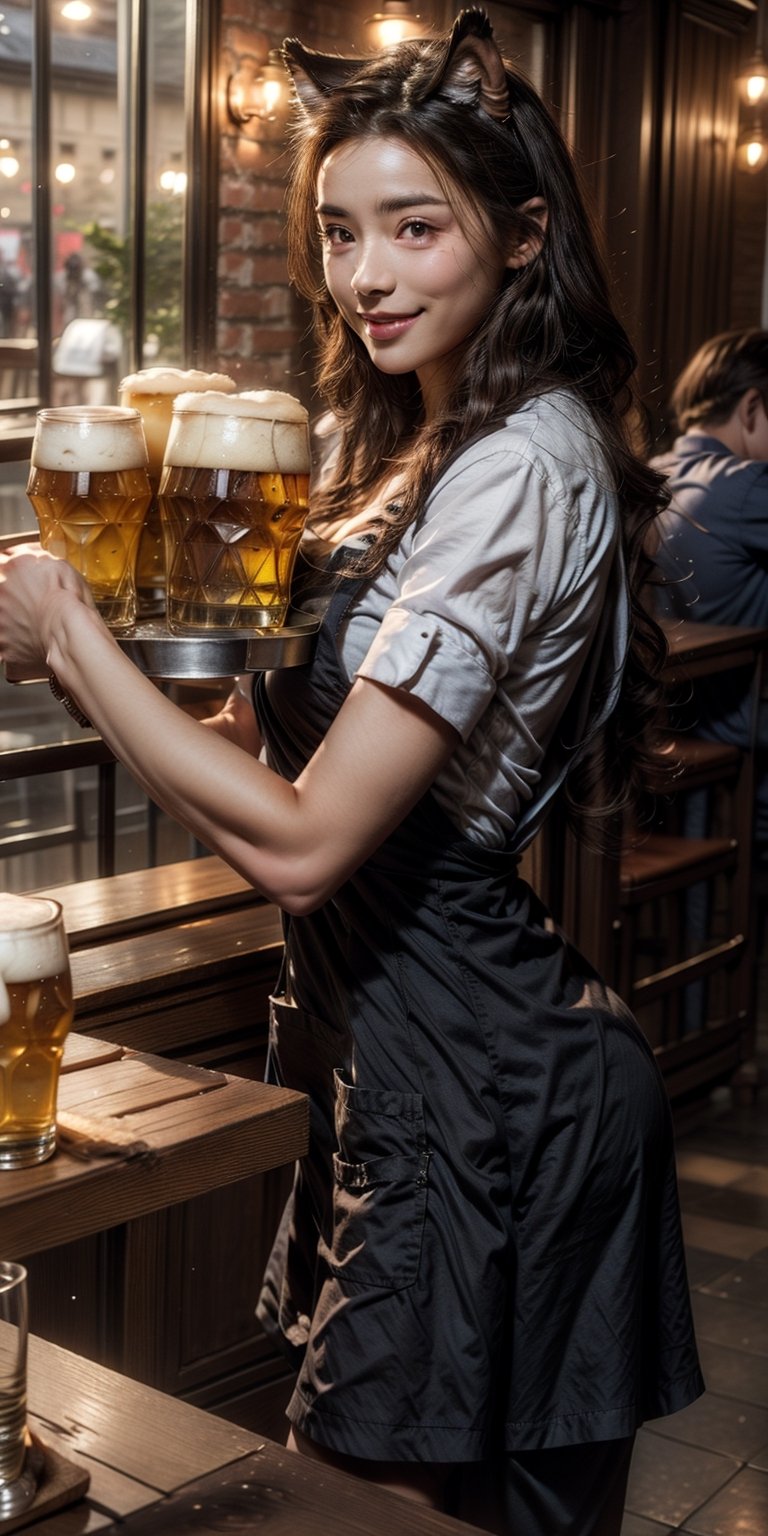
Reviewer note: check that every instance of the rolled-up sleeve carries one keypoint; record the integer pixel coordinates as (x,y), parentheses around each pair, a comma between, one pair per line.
(489,553)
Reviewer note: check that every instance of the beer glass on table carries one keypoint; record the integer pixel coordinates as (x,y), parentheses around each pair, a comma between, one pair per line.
(89,487)
(16,1490)
(152,392)
(234,499)
(35,1017)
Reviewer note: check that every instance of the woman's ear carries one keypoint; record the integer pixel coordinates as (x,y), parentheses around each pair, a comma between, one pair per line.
(316,75)
(473,73)
(535,209)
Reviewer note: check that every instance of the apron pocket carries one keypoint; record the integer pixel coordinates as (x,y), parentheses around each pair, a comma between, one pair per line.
(380,1187)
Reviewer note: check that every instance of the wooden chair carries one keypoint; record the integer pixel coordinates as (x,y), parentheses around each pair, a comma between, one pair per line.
(684,957)
(18,370)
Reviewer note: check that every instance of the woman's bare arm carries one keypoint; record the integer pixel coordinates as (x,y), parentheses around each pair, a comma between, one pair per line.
(296,843)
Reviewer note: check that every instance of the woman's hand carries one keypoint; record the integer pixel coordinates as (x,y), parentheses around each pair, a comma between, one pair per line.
(236,720)
(33,587)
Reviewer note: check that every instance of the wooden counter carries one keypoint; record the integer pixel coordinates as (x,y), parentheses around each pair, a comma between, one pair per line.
(176,1132)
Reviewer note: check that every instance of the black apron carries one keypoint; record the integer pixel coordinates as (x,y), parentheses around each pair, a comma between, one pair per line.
(482,1251)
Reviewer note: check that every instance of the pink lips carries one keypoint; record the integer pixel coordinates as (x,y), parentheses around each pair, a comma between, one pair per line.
(387,327)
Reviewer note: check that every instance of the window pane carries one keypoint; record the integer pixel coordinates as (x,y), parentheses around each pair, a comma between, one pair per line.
(90,276)
(18,352)
(166,182)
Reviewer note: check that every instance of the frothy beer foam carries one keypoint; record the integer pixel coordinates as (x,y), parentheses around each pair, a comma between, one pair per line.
(153,390)
(264,430)
(95,439)
(172,381)
(30,949)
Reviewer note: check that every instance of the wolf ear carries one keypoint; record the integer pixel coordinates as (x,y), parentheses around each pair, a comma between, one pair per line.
(316,75)
(473,73)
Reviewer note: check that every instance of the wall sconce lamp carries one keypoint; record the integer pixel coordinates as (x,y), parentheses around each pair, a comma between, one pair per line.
(752,83)
(752,86)
(752,148)
(393,24)
(258,91)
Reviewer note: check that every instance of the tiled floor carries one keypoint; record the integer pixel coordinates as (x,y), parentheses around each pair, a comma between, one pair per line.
(705,1471)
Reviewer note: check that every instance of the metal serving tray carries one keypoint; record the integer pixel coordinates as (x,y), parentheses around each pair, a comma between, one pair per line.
(177,658)
(189,658)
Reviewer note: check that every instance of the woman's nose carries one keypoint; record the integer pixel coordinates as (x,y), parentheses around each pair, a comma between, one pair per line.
(373,273)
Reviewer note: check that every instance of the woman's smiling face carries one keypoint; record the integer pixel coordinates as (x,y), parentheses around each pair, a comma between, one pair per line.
(410,279)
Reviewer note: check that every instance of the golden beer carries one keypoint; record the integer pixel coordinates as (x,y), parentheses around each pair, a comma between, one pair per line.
(35,1017)
(152,392)
(89,487)
(234,499)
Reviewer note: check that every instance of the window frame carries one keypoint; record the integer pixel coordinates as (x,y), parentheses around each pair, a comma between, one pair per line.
(201,199)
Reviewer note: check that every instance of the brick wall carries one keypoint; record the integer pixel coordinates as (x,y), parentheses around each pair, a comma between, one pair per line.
(262,326)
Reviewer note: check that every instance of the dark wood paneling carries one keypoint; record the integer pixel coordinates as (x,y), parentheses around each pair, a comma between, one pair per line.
(671,177)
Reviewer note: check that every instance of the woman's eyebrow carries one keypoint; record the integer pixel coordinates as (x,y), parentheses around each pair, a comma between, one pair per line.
(410,200)
(388,205)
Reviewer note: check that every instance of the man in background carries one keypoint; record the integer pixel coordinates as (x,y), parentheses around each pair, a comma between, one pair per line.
(713,553)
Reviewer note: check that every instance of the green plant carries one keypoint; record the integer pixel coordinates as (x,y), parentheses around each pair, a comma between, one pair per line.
(163,248)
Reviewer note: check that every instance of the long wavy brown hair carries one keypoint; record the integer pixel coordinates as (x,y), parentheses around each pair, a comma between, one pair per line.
(552,327)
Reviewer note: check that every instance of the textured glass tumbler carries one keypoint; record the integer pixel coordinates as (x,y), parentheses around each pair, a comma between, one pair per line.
(14,1487)
(233,504)
(89,486)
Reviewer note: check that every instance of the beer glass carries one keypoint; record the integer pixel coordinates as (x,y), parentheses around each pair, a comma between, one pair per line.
(151,392)
(35,1016)
(16,1492)
(233,503)
(89,487)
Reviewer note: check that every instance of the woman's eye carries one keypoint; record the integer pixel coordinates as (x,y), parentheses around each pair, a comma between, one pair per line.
(335,234)
(417,228)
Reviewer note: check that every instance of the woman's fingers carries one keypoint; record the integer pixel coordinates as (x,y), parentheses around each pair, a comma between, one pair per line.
(32,585)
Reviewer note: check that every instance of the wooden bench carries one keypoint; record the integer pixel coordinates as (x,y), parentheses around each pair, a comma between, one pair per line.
(178,960)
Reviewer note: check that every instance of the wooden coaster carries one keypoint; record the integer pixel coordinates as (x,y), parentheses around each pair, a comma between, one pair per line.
(59,1482)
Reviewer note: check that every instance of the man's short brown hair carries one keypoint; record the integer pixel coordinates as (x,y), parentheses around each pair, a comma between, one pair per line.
(713,382)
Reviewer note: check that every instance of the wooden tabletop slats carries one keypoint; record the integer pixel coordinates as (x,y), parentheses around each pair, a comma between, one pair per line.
(160,1467)
(162,1123)
(115,1422)
(134,1083)
(82,1050)
(115,971)
(95,910)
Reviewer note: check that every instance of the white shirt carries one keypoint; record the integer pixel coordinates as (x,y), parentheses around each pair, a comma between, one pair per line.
(488,609)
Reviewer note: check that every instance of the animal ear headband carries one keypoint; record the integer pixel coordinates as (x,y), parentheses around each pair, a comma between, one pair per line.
(468,70)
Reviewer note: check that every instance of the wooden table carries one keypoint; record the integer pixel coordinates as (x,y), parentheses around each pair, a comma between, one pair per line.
(701,650)
(188,1131)
(158,1465)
